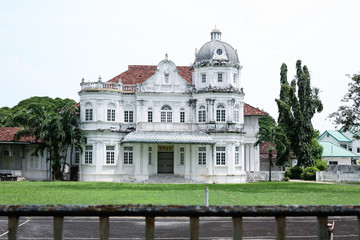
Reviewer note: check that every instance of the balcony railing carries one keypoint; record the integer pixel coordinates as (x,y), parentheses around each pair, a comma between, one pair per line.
(107,86)
(194,212)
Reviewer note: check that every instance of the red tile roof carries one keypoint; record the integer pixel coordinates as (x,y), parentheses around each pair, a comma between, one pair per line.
(7,135)
(265,155)
(140,73)
(252,111)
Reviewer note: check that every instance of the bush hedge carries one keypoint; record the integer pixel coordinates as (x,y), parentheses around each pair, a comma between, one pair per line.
(309,173)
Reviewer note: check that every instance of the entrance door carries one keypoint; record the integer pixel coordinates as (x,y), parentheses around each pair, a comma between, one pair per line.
(166,162)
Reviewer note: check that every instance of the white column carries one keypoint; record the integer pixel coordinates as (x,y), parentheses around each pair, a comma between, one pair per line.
(252,157)
(257,159)
(99,155)
(187,160)
(145,160)
(242,156)
(137,159)
(231,158)
(247,151)
(230,111)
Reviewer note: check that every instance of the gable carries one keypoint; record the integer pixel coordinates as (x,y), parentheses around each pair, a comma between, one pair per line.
(336,135)
(140,73)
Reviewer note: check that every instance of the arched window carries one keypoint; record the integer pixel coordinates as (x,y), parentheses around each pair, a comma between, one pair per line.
(110,114)
(202,114)
(88,112)
(150,115)
(182,115)
(220,113)
(237,113)
(166,114)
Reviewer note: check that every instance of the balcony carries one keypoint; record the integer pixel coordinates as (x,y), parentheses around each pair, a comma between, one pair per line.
(166,126)
(107,86)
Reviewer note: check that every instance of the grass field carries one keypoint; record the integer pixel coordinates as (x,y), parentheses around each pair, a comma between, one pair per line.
(261,193)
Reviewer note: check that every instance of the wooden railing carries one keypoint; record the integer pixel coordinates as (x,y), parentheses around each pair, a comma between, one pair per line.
(193,212)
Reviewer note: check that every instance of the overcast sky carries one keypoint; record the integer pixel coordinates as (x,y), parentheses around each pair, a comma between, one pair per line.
(47,47)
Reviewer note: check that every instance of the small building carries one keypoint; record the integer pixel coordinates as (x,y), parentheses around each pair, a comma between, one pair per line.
(336,155)
(17,157)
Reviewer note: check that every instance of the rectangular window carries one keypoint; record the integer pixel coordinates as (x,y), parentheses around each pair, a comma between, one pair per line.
(202,115)
(358,150)
(236,115)
(34,162)
(110,154)
(163,116)
(203,77)
(150,116)
(128,116)
(77,155)
(202,156)
(220,155)
(182,116)
(220,77)
(220,115)
(150,155)
(128,155)
(182,156)
(237,156)
(333,162)
(111,115)
(88,114)
(88,154)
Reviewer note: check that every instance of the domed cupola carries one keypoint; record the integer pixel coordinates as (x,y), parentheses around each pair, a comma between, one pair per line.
(216,51)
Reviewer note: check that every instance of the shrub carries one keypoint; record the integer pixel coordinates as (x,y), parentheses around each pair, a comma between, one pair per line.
(295,172)
(287,173)
(321,165)
(286,179)
(309,173)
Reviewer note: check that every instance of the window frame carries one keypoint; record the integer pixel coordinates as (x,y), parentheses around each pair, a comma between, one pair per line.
(203,77)
(237,156)
(150,115)
(182,155)
(220,77)
(220,156)
(88,154)
(202,156)
(182,115)
(128,155)
(110,154)
(110,115)
(89,114)
(166,114)
(202,114)
(128,116)
(220,113)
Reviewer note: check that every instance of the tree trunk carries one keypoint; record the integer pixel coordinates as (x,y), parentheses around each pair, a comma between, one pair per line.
(270,164)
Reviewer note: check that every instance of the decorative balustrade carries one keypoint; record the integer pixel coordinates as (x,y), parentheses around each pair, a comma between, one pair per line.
(193,212)
(107,86)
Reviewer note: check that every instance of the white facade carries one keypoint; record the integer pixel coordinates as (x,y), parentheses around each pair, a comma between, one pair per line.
(192,127)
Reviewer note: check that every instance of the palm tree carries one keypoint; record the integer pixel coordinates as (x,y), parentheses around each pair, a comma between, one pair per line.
(274,135)
(54,132)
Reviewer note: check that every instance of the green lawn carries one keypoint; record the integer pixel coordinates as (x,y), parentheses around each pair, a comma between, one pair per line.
(261,193)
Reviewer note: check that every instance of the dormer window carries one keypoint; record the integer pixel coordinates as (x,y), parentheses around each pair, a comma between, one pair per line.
(219,52)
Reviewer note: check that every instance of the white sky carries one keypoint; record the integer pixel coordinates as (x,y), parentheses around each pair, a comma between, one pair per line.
(47,47)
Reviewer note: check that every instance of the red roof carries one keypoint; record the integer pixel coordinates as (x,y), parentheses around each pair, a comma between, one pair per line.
(7,135)
(140,73)
(253,111)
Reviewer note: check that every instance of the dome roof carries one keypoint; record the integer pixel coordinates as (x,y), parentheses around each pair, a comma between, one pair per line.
(216,50)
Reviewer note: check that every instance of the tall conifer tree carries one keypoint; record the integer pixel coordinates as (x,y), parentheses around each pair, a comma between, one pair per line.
(296,112)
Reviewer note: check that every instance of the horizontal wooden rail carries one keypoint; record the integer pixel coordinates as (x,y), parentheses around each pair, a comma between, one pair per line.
(193,212)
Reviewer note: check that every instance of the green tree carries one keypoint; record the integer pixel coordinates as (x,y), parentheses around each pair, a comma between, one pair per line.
(274,136)
(349,115)
(54,132)
(8,115)
(297,105)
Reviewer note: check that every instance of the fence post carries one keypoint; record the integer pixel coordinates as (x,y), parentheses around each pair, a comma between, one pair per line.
(13,223)
(104,228)
(322,228)
(58,228)
(149,228)
(280,227)
(206,196)
(194,228)
(237,225)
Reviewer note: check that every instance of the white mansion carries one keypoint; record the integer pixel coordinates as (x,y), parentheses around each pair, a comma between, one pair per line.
(188,121)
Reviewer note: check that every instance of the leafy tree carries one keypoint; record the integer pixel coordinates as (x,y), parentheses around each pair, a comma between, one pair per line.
(297,105)
(274,136)
(349,115)
(54,132)
(24,107)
